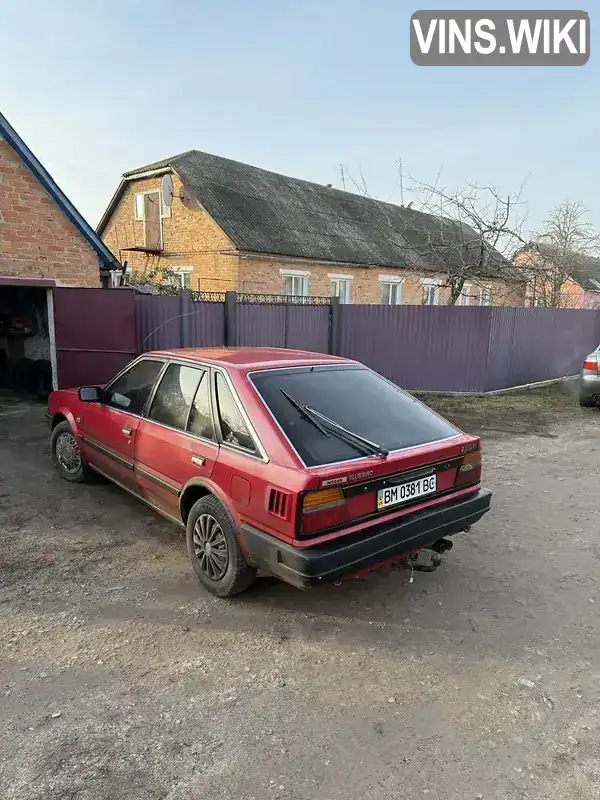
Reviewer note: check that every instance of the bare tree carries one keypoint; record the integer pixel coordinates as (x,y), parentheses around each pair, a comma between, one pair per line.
(559,252)
(474,233)
(467,235)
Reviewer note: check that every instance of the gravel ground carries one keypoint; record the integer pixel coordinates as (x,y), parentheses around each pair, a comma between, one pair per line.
(120,678)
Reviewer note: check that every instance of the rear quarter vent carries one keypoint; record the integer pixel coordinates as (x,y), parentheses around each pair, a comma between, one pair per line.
(278,503)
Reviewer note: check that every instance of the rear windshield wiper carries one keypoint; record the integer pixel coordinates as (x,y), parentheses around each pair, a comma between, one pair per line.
(329,426)
(371,447)
(304,413)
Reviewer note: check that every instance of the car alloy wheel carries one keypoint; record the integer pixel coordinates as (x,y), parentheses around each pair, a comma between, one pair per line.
(67,453)
(210,547)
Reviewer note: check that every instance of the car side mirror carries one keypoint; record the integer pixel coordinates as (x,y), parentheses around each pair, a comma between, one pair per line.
(90,394)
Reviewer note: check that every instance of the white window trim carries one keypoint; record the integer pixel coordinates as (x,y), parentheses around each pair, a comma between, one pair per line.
(464,298)
(296,273)
(143,218)
(293,272)
(335,277)
(135,207)
(181,271)
(165,211)
(429,284)
(393,280)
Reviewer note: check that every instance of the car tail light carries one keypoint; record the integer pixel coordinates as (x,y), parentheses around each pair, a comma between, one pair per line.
(591,364)
(470,469)
(323,509)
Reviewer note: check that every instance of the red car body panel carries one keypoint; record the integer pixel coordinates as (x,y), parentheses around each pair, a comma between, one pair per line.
(161,464)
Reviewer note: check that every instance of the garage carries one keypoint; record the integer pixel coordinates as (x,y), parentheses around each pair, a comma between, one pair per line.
(27,343)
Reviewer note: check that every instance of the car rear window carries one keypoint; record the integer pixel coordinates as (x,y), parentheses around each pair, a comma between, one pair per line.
(354,397)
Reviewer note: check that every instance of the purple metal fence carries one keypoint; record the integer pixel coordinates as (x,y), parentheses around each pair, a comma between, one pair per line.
(207,325)
(435,348)
(537,344)
(158,322)
(420,347)
(293,326)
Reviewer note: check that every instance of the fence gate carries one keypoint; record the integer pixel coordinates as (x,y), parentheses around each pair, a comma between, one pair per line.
(94,334)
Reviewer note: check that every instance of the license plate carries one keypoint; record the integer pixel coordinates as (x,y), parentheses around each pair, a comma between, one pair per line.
(404,492)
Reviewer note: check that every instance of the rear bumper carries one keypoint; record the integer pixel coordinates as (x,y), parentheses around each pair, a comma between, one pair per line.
(589,386)
(304,567)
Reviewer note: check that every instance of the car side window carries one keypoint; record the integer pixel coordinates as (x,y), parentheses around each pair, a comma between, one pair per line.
(132,389)
(201,421)
(173,397)
(233,427)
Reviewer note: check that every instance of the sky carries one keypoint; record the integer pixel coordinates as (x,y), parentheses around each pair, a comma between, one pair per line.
(299,87)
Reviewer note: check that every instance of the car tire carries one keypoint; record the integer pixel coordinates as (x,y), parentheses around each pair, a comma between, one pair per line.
(214,551)
(67,457)
(587,402)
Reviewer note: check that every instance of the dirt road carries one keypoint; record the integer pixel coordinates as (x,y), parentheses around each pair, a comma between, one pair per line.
(120,678)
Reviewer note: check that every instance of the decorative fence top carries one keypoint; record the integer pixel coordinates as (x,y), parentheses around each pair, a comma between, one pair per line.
(282,299)
(268,299)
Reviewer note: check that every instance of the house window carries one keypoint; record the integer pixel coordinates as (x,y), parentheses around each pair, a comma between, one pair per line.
(165,211)
(485,296)
(464,298)
(391,290)
(295,283)
(180,278)
(431,293)
(340,287)
(117,278)
(138,207)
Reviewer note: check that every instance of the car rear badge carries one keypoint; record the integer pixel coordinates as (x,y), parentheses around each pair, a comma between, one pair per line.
(357,476)
(468,448)
(335,481)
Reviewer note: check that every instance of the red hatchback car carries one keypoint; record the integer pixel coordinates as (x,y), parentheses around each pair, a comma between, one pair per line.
(306,466)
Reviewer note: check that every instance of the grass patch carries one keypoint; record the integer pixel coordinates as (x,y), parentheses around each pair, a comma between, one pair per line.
(529,411)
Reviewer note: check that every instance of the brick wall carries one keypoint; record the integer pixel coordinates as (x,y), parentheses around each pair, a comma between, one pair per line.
(36,238)
(541,292)
(190,240)
(263,274)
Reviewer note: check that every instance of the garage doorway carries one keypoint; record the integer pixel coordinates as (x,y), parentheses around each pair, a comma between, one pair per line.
(27,352)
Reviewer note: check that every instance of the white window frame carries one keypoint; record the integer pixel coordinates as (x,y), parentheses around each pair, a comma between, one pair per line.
(115,277)
(143,217)
(485,296)
(180,272)
(431,286)
(464,298)
(165,211)
(393,282)
(295,274)
(337,281)
(139,216)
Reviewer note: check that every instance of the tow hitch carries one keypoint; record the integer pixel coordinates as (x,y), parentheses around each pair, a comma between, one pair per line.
(428,559)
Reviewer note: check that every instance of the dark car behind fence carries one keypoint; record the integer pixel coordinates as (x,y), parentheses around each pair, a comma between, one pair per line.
(436,348)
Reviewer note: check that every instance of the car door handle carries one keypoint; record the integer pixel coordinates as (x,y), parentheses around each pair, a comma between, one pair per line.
(126,431)
(198,461)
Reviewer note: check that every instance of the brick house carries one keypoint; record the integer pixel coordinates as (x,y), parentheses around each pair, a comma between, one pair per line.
(42,235)
(231,226)
(572,284)
(44,243)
